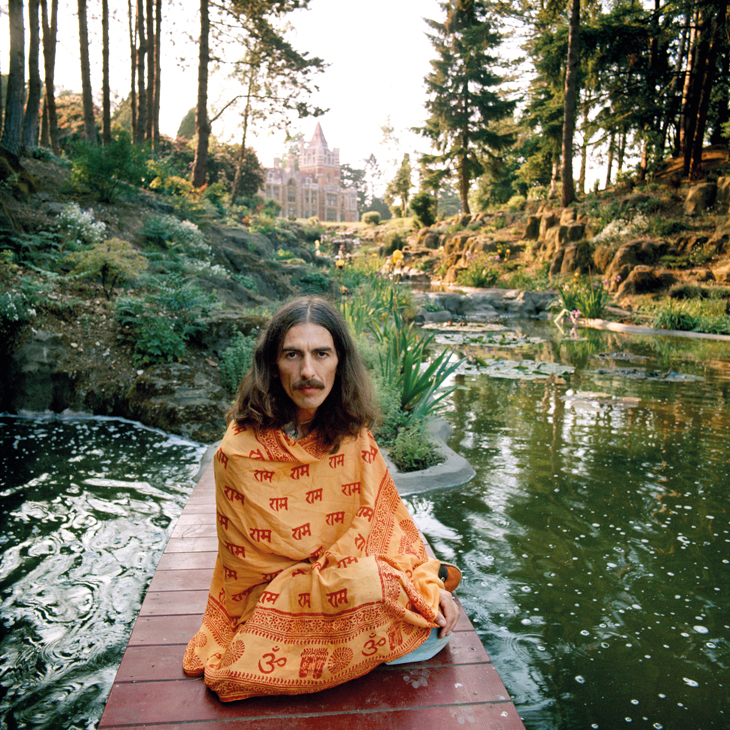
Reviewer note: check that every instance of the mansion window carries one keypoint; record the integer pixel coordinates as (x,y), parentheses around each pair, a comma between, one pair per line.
(331,200)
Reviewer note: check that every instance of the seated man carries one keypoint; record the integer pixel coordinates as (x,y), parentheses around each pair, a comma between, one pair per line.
(321,574)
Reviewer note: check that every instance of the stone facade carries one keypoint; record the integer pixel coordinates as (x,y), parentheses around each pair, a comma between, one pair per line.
(312,188)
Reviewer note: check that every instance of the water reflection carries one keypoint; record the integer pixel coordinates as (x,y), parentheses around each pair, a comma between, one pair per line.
(595,536)
(86,510)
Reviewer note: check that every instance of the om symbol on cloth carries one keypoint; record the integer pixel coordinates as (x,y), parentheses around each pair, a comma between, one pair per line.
(268,666)
(371,646)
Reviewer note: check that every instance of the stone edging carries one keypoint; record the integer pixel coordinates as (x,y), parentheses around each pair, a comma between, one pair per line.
(452,472)
(603,324)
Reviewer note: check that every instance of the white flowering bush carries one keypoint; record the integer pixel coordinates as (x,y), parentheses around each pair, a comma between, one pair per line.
(15,311)
(618,230)
(170,231)
(79,228)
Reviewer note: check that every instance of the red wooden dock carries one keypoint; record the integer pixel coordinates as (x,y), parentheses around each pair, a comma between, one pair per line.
(459,686)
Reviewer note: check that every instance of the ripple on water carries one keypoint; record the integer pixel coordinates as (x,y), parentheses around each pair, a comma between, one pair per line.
(80,543)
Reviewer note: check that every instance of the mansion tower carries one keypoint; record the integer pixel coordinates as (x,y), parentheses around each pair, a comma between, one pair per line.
(313,187)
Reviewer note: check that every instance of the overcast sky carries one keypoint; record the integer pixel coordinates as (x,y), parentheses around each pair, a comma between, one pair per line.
(377,51)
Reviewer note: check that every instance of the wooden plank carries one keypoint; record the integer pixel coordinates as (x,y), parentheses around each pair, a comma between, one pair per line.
(167,702)
(468,716)
(459,686)
(192,545)
(188,561)
(196,518)
(156,630)
(181,580)
(174,603)
(186,531)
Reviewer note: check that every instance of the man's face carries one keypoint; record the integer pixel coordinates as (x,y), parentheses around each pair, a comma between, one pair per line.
(307,367)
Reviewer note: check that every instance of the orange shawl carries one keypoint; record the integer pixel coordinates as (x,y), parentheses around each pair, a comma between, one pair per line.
(321,573)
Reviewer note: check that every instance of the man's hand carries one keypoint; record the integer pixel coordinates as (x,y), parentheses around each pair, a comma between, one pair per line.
(448,615)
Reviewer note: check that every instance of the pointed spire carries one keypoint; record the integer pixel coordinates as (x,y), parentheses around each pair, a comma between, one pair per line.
(318,139)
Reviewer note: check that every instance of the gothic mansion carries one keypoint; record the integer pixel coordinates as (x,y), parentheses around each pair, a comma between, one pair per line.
(314,188)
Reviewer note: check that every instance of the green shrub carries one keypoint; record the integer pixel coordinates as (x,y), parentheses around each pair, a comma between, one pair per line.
(8,267)
(315,282)
(112,262)
(236,361)
(157,341)
(371,218)
(412,450)
(246,281)
(104,171)
(517,202)
(393,419)
(394,241)
(264,223)
(159,326)
(187,303)
(423,206)
(313,230)
(479,272)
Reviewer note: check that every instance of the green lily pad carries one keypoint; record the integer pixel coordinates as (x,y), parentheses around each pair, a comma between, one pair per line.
(516,369)
(503,338)
(653,375)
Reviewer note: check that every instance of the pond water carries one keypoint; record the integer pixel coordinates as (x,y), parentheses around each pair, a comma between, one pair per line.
(86,509)
(595,537)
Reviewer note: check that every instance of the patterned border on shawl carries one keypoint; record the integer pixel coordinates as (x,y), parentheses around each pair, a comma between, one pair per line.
(276,625)
(270,439)
(229,691)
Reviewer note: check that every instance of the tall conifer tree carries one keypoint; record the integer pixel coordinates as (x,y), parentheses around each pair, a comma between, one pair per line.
(463,102)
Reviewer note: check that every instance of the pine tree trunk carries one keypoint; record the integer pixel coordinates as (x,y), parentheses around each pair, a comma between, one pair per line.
(133,63)
(708,79)
(202,125)
(33,103)
(88,100)
(609,163)
(671,108)
(150,69)
(141,92)
(723,111)
(242,153)
(555,172)
(584,146)
(158,74)
(50,31)
(571,97)
(106,113)
(695,59)
(621,151)
(463,187)
(13,122)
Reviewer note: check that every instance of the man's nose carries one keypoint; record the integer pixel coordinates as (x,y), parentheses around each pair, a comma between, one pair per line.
(307,367)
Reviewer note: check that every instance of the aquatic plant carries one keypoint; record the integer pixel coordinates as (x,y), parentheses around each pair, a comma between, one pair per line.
(479,272)
(588,297)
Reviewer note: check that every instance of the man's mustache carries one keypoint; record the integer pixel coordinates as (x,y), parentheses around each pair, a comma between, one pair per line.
(311,383)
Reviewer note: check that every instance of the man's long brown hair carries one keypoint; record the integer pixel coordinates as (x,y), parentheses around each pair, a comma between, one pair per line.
(262,401)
